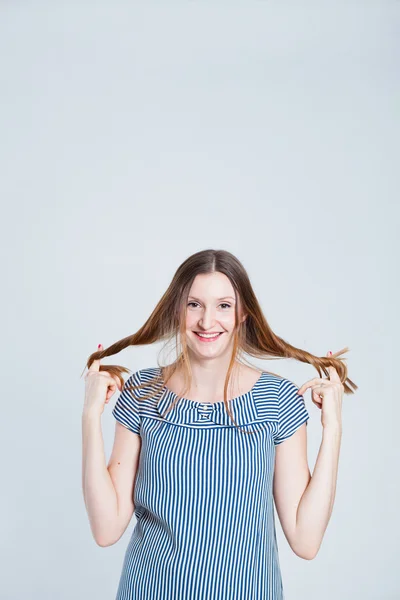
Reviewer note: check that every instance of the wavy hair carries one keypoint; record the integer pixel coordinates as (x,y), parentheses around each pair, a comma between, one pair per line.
(253,336)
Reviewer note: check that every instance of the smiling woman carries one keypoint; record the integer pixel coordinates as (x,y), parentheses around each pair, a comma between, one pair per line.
(202,490)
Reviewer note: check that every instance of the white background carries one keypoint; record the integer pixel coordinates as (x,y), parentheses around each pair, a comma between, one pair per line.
(136,133)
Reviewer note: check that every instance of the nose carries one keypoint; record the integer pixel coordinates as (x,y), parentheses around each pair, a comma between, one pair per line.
(207,319)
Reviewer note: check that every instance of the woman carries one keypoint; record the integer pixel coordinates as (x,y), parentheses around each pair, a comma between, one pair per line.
(203,446)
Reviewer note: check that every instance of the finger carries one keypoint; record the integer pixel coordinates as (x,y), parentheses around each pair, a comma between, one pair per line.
(316,398)
(114,384)
(110,391)
(333,374)
(309,384)
(112,379)
(117,381)
(95,366)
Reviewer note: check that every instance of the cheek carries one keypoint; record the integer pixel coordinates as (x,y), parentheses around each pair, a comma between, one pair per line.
(190,320)
(227,320)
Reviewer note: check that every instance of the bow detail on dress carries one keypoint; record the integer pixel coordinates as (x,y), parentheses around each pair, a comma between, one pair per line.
(190,412)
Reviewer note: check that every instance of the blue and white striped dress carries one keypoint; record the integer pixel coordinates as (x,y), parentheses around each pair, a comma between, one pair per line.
(203,495)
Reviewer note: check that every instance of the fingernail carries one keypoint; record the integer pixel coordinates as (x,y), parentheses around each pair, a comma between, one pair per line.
(99,346)
(330,352)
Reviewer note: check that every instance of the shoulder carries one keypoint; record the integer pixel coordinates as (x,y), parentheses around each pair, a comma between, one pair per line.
(145,375)
(270,382)
(279,383)
(140,392)
(145,384)
(273,392)
(287,389)
(149,375)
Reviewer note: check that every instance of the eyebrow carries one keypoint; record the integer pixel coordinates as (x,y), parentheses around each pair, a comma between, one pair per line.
(223,298)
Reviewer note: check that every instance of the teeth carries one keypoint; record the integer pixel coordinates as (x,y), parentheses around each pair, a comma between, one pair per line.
(208,335)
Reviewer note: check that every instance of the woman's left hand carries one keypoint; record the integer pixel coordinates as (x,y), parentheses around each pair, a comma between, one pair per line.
(327,394)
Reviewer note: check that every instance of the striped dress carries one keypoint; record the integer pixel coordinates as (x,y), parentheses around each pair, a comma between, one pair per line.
(203,496)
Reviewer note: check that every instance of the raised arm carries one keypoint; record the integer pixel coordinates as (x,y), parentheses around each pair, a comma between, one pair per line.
(107,490)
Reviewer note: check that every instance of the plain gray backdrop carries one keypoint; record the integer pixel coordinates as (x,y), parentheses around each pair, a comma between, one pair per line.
(134,134)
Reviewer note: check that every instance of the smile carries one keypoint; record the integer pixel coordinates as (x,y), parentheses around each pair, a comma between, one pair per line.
(208,337)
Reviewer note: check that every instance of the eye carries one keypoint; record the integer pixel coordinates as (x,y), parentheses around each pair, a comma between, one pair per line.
(222,304)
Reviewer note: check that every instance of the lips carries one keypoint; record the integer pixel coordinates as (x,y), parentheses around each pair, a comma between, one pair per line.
(209,339)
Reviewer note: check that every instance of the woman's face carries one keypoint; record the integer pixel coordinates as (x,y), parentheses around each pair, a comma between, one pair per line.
(210,310)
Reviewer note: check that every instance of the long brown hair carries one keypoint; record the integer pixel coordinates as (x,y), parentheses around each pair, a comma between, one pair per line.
(253,336)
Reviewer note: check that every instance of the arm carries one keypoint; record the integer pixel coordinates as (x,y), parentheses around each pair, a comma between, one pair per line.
(291,478)
(316,503)
(305,503)
(108,491)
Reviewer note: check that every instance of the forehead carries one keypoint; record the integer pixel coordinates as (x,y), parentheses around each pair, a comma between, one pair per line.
(212,286)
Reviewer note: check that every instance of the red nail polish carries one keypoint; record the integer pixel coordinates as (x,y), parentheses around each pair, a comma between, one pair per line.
(99,345)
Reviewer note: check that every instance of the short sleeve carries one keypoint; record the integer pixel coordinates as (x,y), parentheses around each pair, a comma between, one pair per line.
(292,411)
(127,406)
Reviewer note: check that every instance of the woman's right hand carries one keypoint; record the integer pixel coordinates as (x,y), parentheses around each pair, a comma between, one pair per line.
(100,387)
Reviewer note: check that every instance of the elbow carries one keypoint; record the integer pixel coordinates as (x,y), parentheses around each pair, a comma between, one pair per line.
(305,546)
(308,555)
(105,543)
(106,536)
(305,553)
(102,543)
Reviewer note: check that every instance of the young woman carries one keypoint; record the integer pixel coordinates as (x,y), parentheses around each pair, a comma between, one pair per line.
(204,446)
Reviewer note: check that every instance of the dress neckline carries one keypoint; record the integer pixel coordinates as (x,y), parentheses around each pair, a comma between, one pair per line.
(174,395)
